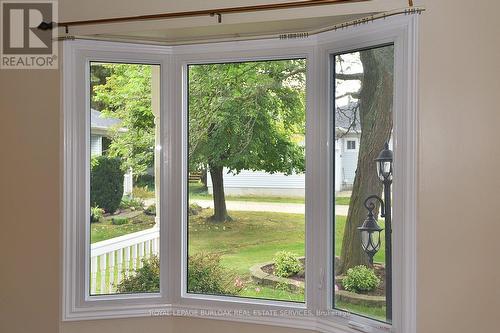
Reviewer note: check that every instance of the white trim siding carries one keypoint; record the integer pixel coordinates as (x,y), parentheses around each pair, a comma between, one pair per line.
(249,182)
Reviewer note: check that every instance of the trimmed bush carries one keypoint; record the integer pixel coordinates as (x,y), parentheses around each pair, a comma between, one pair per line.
(96,214)
(206,275)
(286,264)
(145,279)
(359,279)
(106,183)
(119,220)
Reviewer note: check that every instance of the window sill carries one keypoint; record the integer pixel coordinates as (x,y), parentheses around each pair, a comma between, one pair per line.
(293,316)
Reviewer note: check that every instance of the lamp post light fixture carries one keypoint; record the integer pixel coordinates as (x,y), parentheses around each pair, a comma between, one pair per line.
(370,230)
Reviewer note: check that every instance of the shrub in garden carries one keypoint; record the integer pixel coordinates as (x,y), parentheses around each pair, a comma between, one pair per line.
(106,183)
(286,264)
(131,203)
(206,275)
(145,279)
(119,220)
(150,210)
(96,213)
(360,278)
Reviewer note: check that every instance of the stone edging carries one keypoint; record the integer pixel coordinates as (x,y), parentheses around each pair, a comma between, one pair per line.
(263,278)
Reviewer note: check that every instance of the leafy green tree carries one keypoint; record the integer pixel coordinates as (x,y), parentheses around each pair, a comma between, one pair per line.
(125,93)
(246,116)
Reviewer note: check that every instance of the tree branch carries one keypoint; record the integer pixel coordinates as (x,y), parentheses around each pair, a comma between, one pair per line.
(354,94)
(354,76)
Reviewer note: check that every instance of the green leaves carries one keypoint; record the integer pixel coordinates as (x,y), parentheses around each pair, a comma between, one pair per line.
(360,278)
(286,264)
(125,94)
(247,115)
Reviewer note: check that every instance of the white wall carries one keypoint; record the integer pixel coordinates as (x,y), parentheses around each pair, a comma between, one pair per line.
(95,145)
(249,182)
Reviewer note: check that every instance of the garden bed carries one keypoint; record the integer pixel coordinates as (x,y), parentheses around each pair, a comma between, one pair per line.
(264,274)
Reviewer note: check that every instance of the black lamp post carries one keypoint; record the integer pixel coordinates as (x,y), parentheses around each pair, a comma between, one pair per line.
(370,230)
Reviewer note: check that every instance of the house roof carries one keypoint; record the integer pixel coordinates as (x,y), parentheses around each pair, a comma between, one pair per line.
(98,121)
(347,118)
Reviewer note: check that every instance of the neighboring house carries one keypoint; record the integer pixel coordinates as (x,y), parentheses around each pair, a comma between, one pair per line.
(347,135)
(100,133)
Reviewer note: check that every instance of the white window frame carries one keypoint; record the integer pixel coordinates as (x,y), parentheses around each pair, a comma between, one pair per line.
(77,301)
(401,30)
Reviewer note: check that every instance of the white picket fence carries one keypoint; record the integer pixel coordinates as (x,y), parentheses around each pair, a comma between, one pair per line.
(114,259)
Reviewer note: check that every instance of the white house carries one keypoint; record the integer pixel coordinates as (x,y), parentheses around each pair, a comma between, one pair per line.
(100,132)
(347,134)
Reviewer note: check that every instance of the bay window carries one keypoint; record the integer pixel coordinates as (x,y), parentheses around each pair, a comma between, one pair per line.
(228,180)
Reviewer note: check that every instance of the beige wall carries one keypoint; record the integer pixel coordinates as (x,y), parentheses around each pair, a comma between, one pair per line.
(458,266)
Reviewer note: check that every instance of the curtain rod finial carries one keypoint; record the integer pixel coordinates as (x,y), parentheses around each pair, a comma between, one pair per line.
(46,25)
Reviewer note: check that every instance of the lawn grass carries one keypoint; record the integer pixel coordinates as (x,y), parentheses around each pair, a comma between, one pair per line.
(143,192)
(255,237)
(197,191)
(251,238)
(104,229)
(373,312)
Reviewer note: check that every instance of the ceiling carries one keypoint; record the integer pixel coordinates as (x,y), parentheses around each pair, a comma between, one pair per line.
(163,33)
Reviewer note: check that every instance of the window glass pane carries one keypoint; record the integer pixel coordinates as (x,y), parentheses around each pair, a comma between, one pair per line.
(363,100)
(246,223)
(124,178)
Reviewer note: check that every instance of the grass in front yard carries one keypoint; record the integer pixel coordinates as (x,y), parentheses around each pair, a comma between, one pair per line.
(143,192)
(104,229)
(255,237)
(197,191)
(251,238)
(342,201)
(374,312)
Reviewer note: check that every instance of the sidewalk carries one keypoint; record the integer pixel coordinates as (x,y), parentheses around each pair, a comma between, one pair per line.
(278,207)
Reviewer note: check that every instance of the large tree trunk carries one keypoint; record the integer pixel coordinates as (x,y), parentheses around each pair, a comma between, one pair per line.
(220,211)
(375,112)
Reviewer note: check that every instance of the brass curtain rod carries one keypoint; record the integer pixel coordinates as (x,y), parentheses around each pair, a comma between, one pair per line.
(212,12)
(242,37)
